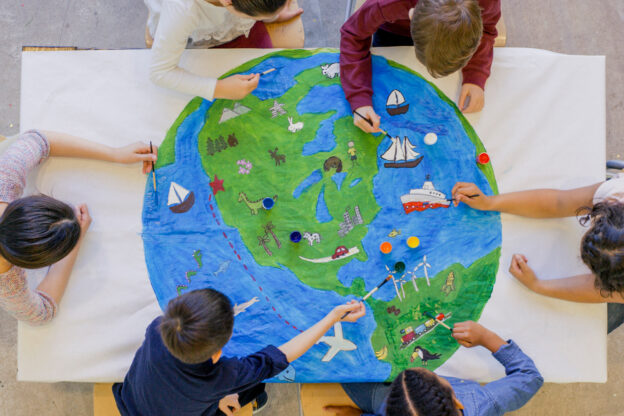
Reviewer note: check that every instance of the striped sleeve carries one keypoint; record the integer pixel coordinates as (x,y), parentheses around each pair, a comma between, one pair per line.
(35,307)
(27,152)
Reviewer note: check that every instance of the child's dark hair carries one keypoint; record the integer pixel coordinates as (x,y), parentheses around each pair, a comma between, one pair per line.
(418,392)
(602,246)
(446,33)
(258,7)
(197,324)
(37,231)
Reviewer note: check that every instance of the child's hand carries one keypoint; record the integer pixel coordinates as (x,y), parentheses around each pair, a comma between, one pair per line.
(84,219)
(356,311)
(461,193)
(521,271)
(470,333)
(287,13)
(236,87)
(369,113)
(137,152)
(343,410)
(230,401)
(471,99)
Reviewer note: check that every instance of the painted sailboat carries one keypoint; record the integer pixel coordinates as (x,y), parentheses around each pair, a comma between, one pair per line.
(424,198)
(396,104)
(180,199)
(401,155)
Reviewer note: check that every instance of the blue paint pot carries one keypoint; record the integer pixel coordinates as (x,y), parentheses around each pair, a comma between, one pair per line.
(267,203)
(295,236)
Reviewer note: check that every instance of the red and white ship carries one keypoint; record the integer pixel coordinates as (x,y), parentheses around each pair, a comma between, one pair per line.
(424,198)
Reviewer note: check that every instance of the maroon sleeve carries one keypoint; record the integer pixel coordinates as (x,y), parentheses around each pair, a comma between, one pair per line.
(355,41)
(477,70)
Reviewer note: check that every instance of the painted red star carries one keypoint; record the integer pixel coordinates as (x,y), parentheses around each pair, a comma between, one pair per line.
(217,185)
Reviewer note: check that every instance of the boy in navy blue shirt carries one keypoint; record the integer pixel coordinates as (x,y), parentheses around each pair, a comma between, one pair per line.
(179,369)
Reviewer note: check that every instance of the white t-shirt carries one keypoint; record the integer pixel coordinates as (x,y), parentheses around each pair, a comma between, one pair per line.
(172,23)
(611,189)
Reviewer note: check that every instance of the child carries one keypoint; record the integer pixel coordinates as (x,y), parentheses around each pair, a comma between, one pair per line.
(179,368)
(602,246)
(448,35)
(209,23)
(418,391)
(39,231)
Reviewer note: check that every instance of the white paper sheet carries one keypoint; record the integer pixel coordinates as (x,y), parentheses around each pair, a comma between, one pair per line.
(543,126)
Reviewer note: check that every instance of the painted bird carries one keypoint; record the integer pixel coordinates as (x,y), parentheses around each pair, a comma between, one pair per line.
(424,355)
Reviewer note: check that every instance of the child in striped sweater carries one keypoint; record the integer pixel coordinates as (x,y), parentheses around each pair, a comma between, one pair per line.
(39,231)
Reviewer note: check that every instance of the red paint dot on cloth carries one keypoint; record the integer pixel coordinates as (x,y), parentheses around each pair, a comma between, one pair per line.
(483,158)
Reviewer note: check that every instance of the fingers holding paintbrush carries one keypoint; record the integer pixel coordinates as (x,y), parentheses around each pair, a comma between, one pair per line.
(367,120)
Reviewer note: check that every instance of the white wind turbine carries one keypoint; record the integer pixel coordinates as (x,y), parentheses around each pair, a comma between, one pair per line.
(396,287)
(413,278)
(424,265)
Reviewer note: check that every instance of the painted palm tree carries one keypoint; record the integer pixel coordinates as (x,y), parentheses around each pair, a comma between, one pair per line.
(268,229)
(262,241)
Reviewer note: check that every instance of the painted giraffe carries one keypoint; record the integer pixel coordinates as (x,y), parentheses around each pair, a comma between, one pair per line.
(254,206)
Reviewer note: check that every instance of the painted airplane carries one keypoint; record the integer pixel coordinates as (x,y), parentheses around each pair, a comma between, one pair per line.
(336,343)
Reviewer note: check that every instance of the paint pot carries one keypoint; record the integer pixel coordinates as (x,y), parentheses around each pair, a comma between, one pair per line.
(483,158)
(385,247)
(267,203)
(399,267)
(413,242)
(431,138)
(295,236)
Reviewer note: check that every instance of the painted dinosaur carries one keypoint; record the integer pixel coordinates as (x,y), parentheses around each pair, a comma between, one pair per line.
(254,206)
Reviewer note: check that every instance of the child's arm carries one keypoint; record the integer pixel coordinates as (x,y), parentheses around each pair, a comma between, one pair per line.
(536,203)
(297,346)
(575,289)
(66,145)
(522,379)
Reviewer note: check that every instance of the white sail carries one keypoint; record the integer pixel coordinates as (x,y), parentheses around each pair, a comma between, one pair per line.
(177,194)
(395,151)
(395,98)
(409,150)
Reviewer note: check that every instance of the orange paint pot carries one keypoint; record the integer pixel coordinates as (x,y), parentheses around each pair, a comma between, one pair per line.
(385,247)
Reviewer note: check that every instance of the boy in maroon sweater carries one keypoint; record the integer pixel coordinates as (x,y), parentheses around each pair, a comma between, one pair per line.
(448,35)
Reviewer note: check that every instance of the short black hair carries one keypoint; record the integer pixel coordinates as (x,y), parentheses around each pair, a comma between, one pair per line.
(418,392)
(37,231)
(602,246)
(197,324)
(258,7)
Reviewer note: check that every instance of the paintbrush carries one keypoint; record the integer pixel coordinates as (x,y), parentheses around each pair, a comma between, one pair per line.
(153,168)
(371,123)
(268,71)
(469,196)
(430,315)
(368,295)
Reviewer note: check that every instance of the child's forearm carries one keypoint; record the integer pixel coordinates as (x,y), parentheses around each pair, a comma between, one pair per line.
(544,203)
(297,346)
(55,282)
(492,341)
(65,145)
(575,289)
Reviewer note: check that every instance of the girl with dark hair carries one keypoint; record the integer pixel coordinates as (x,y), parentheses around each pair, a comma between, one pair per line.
(602,246)
(420,392)
(40,231)
(174,24)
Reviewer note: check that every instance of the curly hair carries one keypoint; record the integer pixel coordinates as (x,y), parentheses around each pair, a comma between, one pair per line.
(417,392)
(602,246)
(446,33)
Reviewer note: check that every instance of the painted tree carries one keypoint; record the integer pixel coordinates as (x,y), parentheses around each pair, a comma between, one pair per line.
(232,140)
(220,144)
(262,241)
(210,147)
(268,229)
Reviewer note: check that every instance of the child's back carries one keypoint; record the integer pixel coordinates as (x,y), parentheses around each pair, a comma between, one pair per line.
(158,383)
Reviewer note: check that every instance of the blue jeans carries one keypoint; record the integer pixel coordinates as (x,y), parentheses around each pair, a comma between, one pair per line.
(367,396)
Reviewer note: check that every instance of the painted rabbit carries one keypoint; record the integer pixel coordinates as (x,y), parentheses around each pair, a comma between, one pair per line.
(294,127)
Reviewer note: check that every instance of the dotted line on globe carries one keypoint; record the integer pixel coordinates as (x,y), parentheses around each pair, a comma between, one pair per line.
(247,269)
